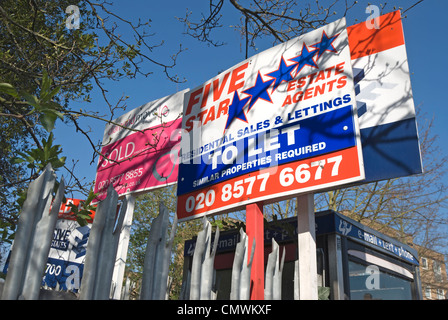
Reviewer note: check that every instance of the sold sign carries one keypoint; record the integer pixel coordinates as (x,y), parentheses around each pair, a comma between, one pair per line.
(141,148)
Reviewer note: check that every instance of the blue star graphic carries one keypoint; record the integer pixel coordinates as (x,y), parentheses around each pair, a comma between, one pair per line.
(325,44)
(236,109)
(305,59)
(283,73)
(259,91)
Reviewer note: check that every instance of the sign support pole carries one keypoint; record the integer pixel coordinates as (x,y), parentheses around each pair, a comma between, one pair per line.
(307,247)
(255,231)
(122,251)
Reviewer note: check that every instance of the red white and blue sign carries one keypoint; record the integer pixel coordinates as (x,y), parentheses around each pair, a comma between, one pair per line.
(281,123)
(386,112)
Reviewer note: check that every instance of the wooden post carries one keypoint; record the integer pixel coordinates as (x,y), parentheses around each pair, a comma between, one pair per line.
(307,247)
(255,231)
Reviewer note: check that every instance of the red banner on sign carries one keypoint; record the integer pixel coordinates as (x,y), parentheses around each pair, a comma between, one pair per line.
(365,40)
(65,211)
(287,180)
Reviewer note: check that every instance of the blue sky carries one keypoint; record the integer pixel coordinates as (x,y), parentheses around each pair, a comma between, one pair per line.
(425,45)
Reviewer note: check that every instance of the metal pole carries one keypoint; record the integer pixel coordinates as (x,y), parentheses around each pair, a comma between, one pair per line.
(98,250)
(335,267)
(238,262)
(109,246)
(123,245)
(208,270)
(255,232)
(270,269)
(307,247)
(274,271)
(154,238)
(196,268)
(245,278)
(277,277)
(163,255)
(40,246)
(167,259)
(241,270)
(38,197)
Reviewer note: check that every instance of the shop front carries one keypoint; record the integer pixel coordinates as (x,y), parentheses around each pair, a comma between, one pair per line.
(354,262)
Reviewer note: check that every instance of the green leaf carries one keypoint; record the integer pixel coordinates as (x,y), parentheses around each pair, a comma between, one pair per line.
(58,163)
(31,100)
(51,94)
(323,293)
(49,141)
(52,106)
(17,160)
(8,89)
(28,157)
(74,208)
(92,195)
(46,82)
(82,222)
(47,120)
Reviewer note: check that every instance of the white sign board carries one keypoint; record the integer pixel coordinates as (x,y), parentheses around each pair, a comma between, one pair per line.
(278,124)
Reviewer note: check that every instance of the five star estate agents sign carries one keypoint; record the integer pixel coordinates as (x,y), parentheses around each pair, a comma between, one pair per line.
(281,123)
(140,148)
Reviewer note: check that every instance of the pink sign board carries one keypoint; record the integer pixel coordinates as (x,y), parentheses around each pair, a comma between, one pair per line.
(141,148)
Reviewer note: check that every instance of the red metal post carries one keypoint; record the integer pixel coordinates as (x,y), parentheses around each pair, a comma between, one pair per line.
(255,230)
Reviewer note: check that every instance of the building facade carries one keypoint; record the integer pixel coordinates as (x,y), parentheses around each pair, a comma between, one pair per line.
(433,275)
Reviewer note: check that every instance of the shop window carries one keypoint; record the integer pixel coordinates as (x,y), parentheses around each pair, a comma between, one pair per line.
(369,282)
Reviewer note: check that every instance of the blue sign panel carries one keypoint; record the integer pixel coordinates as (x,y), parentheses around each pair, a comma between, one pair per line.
(299,139)
(64,274)
(65,263)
